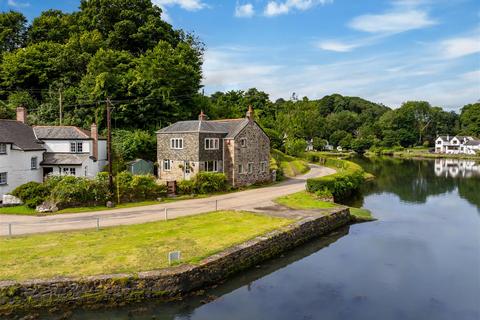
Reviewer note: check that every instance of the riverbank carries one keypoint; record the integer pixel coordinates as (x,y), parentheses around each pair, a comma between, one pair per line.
(164,283)
(417,153)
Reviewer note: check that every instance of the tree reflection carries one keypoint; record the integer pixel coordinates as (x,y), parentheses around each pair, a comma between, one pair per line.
(414,180)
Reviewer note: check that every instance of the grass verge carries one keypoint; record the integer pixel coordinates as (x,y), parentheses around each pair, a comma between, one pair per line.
(129,249)
(305,200)
(290,166)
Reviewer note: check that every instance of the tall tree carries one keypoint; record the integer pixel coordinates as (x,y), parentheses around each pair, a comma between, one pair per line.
(13,27)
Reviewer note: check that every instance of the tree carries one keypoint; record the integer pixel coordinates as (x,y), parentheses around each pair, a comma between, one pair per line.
(51,25)
(470,119)
(295,147)
(319,143)
(12,31)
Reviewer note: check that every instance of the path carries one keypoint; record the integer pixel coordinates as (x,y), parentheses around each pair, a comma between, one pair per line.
(242,200)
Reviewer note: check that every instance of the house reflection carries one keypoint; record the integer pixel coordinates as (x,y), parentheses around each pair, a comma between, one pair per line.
(456,168)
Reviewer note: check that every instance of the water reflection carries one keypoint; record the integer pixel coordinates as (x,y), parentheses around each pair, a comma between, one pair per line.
(414,180)
(456,168)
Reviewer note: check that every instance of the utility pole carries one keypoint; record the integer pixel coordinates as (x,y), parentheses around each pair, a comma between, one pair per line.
(109,146)
(60,103)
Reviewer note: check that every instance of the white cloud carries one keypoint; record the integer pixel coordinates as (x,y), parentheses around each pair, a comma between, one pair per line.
(390,79)
(337,46)
(275,8)
(392,22)
(190,5)
(15,4)
(244,11)
(459,47)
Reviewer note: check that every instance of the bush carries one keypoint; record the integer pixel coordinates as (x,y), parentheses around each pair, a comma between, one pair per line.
(71,191)
(324,194)
(137,187)
(312,157)
(342,184)
(31,193)
(186,187)
(295,147)
(207,182)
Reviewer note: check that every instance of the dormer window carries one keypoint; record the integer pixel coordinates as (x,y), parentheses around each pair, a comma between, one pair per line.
(176,143)
(76,147)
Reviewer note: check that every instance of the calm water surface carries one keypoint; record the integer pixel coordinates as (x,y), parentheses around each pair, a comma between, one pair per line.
(420,260)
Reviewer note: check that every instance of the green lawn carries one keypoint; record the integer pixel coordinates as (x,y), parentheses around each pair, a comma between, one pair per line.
(129,249)
(303,200)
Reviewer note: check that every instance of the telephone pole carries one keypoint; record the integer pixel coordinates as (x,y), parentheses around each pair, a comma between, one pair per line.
(60,103)
(109,146)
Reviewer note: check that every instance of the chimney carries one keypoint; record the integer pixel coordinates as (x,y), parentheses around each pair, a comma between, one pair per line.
(202,116)
(250,114)
(94,136)
(22,114)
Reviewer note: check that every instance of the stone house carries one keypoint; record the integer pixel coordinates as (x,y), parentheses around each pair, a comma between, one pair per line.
(237,147)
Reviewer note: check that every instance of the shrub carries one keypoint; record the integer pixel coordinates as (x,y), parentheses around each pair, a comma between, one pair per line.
(207,182)
(295,147)
(123,185)
(348,178)
(31,193)
(312,157)
(144,187)
(324,194)
(72,191)
(186,187)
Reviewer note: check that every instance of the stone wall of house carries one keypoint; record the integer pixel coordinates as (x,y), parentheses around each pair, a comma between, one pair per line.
(188,153)
(257,150)
(207,155)
(169,282)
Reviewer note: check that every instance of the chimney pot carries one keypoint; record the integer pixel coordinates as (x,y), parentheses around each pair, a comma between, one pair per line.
(250,113)
(22,114)
(202,116)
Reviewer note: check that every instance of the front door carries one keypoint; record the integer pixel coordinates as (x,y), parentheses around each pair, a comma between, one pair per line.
(46,172)
(187,169)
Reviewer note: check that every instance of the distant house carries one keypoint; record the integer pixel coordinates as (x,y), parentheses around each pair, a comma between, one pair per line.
(140,166)
(237,147)
(457,145)
(31,153)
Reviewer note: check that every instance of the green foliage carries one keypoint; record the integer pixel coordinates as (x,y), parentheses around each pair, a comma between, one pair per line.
(360,145)
(186,187)
(470,119)
(295,147)
(130,188)
(319,143)
(12,31)
(208,182)
(287,165)
(31,193)
(348,178)
(203,183)
(130,145)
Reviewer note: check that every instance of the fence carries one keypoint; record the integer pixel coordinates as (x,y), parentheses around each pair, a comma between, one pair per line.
(11,229)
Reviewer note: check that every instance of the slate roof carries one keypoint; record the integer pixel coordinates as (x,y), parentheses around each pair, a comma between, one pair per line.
(230,127)
(50,158)
(473,143)
(61,133)
(19,134)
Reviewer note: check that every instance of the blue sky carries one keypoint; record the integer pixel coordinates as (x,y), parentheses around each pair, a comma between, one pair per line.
(385,51)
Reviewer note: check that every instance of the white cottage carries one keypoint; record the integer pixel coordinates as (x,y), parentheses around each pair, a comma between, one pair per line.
(31,153)
(457,145)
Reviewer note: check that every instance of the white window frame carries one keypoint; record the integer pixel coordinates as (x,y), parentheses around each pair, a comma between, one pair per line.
(243,142)
(73,147)
(214,166)
(240,169)
(211,143)
(79,147)
(3,148)
(263,166)
(176,143)
(3,178)
(250,167)
(167,165)
(33,163)
(69,171)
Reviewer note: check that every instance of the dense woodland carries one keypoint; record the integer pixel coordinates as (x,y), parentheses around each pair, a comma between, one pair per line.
(123,50)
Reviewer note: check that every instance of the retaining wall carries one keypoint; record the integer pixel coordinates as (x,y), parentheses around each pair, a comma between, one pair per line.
(165,283)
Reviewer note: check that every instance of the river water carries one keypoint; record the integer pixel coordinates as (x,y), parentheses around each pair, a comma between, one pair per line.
(420,260)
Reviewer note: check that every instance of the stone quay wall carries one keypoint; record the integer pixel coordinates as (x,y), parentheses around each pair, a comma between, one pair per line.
(167,283)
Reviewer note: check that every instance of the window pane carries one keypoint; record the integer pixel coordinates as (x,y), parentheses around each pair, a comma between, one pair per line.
(79,147)
(72,147)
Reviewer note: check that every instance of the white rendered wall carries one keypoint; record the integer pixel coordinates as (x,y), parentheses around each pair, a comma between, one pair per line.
(17,164)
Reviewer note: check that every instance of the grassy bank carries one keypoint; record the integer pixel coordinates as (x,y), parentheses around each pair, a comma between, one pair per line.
(419,153)
(305,200)
(344,182)
(129,249)
(290,166)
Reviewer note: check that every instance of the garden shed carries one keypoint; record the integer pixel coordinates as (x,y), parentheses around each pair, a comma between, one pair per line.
(140,166)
